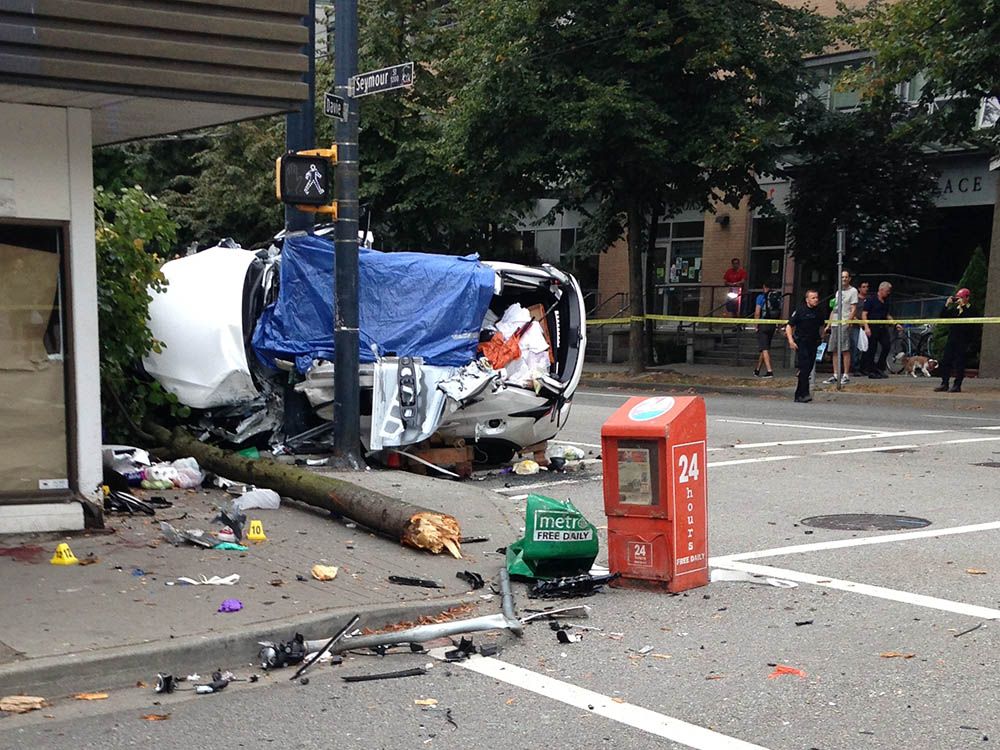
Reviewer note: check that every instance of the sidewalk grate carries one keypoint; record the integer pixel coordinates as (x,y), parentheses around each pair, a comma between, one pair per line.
(865,522)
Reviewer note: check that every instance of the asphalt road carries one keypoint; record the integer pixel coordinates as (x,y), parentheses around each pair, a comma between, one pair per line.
(877,623)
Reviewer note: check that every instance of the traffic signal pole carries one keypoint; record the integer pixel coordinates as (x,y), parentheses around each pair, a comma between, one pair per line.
(347,430)
(300,125)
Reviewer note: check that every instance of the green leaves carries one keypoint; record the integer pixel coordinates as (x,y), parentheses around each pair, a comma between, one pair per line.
(133,235)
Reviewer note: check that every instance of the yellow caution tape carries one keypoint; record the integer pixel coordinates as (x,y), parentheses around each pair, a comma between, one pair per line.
(627,320)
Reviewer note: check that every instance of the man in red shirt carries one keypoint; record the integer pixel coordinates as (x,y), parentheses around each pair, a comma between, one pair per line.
(736,279)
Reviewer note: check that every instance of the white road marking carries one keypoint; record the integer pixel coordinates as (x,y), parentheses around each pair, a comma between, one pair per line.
(904,597)
(992,427)
(603,394)
(796,425)
(876,449)
(737,462)
(950,417)
(903,536)
(843,438)
(966,440)
(643,719)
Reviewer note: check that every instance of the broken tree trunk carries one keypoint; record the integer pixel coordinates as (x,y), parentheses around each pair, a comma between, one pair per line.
(411,524)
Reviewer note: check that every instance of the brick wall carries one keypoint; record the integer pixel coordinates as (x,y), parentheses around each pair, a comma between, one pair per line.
(613,274)
(722,244)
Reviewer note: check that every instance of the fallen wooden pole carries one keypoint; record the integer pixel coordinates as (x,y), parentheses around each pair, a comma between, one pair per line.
(411,524)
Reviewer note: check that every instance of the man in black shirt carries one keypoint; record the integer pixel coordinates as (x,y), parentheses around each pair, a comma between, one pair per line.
(876,307)
(803,334)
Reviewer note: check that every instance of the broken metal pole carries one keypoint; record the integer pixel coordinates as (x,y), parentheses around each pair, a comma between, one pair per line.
(507,620)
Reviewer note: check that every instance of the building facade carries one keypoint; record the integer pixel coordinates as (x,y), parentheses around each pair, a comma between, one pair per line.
(74,75)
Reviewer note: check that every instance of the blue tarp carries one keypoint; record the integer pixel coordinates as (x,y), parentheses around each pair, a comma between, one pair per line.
(414,304)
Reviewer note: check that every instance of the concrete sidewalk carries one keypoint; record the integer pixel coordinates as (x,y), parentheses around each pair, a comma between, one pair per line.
(978,394)
(117,621)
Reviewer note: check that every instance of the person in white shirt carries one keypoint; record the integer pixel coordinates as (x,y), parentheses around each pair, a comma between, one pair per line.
(840,339)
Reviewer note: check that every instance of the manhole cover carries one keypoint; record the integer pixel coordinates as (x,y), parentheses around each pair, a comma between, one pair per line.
(865,522)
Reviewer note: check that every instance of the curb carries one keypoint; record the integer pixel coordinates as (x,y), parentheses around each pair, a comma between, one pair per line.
(120,667)
(967,402)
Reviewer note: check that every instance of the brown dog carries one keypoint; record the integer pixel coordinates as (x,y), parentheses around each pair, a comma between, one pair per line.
(923,364)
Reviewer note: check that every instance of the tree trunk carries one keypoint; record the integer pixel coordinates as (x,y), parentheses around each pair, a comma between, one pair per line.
(411,524)
(654,225)
(636,360)
(989,355)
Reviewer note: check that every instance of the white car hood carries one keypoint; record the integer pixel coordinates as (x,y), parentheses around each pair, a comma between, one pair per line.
(200,320)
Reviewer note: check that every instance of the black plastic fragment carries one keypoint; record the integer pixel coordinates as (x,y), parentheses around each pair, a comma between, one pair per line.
(408,581)
(571,586)
(384,675)
(472,578)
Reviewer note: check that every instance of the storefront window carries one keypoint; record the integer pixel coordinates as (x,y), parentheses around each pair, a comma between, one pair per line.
(33,451)
(767,250)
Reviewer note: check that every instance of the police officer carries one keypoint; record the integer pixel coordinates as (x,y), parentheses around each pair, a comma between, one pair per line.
(803,334)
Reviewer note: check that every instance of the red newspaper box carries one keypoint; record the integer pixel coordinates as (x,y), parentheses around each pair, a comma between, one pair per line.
(655,492)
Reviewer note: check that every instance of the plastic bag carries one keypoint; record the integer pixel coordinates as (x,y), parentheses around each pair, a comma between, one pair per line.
(558,541)
(862,340)
(189,474)
(264,499)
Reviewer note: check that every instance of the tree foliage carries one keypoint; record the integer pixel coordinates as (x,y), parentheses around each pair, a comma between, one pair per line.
(133,232)
(863,170)
(636,106)
(951,46)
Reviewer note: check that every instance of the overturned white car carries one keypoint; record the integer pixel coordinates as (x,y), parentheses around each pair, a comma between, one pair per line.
(451,347)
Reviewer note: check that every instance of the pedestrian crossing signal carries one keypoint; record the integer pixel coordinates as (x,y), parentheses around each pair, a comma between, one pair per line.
(304,179)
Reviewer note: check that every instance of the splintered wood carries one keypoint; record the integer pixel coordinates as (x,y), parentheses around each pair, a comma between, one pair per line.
(452,613)
(433,532)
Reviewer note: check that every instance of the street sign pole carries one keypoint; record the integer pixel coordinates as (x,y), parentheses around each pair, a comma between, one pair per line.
(347,429)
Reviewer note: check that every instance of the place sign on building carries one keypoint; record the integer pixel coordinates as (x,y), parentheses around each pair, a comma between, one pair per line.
(385,79)
(966,181)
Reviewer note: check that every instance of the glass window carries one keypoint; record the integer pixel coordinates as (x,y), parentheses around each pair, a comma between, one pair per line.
(768,232)
(688,229)
(33,454)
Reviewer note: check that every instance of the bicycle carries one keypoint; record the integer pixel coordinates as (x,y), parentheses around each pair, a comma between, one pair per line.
(912,341)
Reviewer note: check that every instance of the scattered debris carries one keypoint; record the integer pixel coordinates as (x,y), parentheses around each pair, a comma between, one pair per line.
(155,717)
(781,669)
(473,539)
(230,605)
(421,582)
(165,683)
(230,547)
(721,574)
(423,633)
(559,588)
(329,644)
(800,623)
(527,467)
(203,581)
(91,696)
(975,571)
(970,630)
(578,610)
(425,702)
(473,579)
(21,704)
(282,654)
(563,637)
(262,499)
(896,655)
(219,682)
(90,559)
(563,543)
(416,671)
(463,651)
(324,572)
